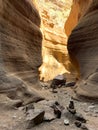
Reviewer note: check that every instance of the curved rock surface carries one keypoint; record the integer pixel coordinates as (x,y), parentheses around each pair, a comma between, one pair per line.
(54,49)
(83,50)
(20,45)
(78,9)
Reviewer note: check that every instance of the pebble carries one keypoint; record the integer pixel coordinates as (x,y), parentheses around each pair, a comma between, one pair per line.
(80,117)
(93,103)
(90,108)
(70,84)
(57,112)
(66,122)
(86,110)
(83,127)
(20,118)
(73,111)
(95,115)
(14,116)
(96,111)
(77,123)
(71,107)
(21,108)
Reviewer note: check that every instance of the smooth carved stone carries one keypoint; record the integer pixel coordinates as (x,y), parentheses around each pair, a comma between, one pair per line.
(83,51)
(20,45)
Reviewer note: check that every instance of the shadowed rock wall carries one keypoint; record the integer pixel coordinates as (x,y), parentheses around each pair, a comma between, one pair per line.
(83,51)
(20,44)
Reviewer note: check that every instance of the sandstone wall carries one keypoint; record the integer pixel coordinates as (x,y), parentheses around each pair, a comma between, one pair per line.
(20,44)
(78,9)
(83,50)
(54,13)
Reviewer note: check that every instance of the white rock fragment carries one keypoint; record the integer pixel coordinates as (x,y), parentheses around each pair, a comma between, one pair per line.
(66,122)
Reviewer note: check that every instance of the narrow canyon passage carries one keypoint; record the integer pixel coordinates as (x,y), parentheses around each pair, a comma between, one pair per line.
(58,22)
(48,64)
(54,45)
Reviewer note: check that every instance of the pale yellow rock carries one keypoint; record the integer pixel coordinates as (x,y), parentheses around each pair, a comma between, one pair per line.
(54,13)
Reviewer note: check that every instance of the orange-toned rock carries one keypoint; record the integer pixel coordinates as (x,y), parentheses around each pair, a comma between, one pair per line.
(54,50)
(78,9)
(83,51)
(55,55)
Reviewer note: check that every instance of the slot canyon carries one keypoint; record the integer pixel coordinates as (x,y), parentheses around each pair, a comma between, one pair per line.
(48,59)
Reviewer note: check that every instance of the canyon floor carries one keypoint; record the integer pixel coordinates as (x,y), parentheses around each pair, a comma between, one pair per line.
(15,118)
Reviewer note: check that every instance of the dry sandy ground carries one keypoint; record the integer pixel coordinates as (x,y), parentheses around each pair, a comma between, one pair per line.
(14,119)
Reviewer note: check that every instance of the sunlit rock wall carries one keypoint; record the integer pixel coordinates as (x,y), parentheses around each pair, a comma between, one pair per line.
(54,13)
(78,9)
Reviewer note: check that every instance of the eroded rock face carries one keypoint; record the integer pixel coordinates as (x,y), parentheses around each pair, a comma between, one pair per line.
(83,50)
(54,50)
(20,44)
(78,9)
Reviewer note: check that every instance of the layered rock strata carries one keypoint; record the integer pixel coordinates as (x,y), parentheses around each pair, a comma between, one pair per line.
(54,13)
(20,45)
(83,51)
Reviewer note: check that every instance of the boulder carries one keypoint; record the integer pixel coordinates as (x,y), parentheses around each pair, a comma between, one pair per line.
(34,118)
(58,81)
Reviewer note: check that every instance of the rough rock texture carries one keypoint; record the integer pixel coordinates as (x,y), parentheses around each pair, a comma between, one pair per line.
(55,55)
(20,45)
(78,9)
(83,50)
